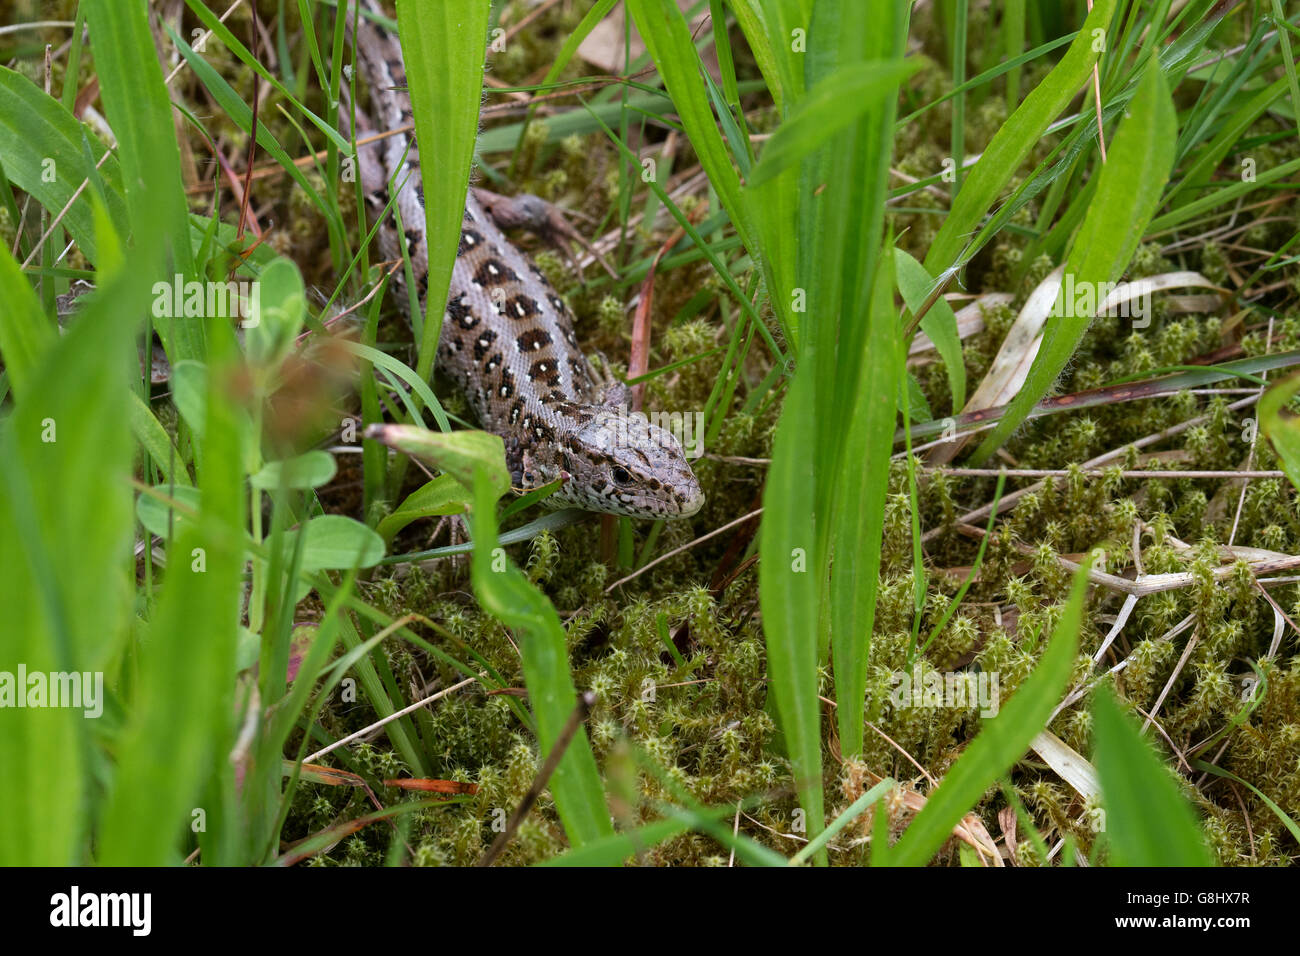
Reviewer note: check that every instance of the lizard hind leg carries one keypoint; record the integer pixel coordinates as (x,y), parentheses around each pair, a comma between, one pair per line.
(608,389)
(615,395)
(542,219)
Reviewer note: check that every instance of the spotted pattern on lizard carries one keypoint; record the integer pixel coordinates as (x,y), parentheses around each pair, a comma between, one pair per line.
(507,337)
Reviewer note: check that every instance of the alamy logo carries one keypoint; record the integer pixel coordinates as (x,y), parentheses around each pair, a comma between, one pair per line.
(959,689)
(102,909)
(686,427)
(1086,299)
(178,298)
(74,689)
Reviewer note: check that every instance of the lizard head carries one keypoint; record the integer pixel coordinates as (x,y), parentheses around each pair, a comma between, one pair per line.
(614,462)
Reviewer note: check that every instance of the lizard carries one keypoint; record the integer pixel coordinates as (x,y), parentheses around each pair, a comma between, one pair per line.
(507,337)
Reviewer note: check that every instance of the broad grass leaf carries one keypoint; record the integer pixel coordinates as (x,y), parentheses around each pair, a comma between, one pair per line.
(37,137)
(1281,426)
(1001,741)
(1128,191)
(461,454)
(1148,822)
(443,46)
(832,105)
(336,542)
(309,470)
(505,593)
(444,495)
(939,323)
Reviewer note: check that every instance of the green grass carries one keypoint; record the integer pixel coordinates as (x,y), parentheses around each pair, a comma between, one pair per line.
(257,576)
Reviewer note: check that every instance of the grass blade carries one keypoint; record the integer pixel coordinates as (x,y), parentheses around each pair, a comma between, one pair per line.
(505,593)
(815,493)
(182,711)
(25,334)
(940,322)
(668,39)
(860,512)
(1127,193)
(443,45)
(1014,140)
(855,809)
(1001,742)
(140,112)
(789,592)
(1282,430)
(35,131)
(615,849)
(66,527)
(232,43)
(1278,812)
(1148,822)
(834,104)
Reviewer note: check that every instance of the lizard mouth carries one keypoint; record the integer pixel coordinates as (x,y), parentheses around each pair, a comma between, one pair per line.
(679,505)
(688,506)
(645,505)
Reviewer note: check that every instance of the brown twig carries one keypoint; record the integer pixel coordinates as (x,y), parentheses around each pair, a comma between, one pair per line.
(700,540)
(1095,473)
(1009,499)
(585,701)
(1096,98)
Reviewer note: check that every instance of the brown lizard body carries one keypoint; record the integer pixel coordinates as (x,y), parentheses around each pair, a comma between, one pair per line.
(507,338)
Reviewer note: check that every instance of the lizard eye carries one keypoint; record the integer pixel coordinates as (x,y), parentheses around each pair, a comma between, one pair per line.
(621,477)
